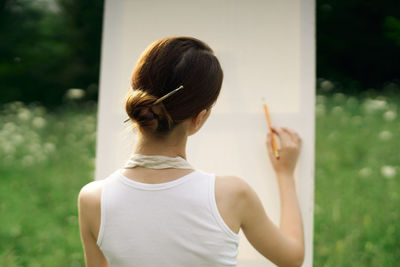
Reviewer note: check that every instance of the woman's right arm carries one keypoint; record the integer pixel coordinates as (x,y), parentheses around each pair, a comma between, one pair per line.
(284,246)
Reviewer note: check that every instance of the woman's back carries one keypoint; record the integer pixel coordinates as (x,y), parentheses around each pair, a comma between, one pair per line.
(156,218)
(176,223)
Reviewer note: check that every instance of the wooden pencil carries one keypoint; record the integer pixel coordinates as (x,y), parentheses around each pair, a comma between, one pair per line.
(276,152)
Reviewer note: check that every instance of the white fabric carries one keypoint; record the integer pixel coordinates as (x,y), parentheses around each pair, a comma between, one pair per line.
(175,224)
(157,162)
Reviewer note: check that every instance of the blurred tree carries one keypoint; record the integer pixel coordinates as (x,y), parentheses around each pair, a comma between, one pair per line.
(358,42)
(83,19)
(47,47)
(392,29)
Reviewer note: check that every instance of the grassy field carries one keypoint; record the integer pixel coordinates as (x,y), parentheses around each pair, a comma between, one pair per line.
(45,158)
(357,181)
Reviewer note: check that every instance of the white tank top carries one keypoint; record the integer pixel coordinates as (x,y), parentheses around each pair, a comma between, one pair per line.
(173,224)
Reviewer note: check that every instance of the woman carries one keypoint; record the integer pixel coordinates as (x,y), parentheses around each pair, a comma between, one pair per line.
(158,210)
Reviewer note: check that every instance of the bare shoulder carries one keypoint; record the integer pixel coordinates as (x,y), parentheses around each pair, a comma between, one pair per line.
(90,194)
(233,185)
(231,194)
(233,190)
(89,206)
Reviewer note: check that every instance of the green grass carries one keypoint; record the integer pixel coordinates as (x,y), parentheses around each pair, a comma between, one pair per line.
(40,181)
(357,181)
(45,158)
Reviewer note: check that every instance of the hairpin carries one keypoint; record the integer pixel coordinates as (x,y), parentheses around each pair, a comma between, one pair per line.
(168,95)
(163,98)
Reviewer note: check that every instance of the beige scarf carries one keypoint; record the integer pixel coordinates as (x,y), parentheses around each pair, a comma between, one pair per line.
(157,162)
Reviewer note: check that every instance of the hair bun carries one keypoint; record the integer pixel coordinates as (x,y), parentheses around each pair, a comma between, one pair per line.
(141,109)
(144,115)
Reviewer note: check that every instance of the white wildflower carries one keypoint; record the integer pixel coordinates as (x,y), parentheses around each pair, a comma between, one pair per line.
(372,105)
(74,94)
(39,110)
(320,99)
(339,97)
(327,85)
(49,147)
(17,139)
(33,148)
(14,106)
(89,127)
(352,101)
(9,127)
(24,114)
(390,115)
(27,160)
(320,109)
(38,122)
(388,171)
(337,110)
(39,156)
(365,172)
(7,148)
(385,135)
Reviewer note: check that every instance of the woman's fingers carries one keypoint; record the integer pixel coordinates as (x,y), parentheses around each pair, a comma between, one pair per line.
(294,138)
(270,148)
(289,149)
(274,130)
(284,136)
(289,132)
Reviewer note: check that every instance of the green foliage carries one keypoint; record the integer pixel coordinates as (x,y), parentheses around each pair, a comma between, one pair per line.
(358,43)
(47,49)
(392,29)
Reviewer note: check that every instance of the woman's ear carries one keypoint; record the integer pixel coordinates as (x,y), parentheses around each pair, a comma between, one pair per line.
(198,120)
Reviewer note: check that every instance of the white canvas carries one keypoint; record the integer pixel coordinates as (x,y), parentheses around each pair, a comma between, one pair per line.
(266,49)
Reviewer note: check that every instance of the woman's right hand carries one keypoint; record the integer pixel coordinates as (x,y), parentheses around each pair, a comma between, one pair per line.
(289,149)
(284,246)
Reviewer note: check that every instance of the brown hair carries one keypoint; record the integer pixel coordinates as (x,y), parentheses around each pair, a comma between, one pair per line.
(164,66)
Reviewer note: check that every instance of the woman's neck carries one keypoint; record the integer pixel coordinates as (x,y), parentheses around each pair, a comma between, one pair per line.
(172,145)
